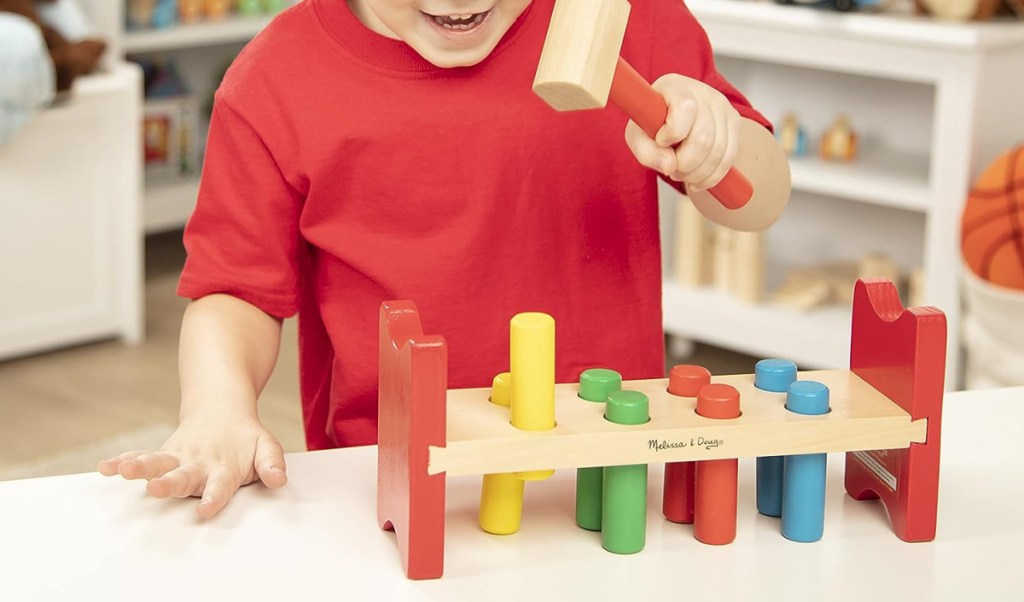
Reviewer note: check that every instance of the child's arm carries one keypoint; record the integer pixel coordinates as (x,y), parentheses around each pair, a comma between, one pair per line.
(227,352)
(702,138)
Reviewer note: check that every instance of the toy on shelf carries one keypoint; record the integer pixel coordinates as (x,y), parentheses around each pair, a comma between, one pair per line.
(832,283)
(885,412)
(692,245)
(139,13)
(159,14)
(792,136)
(216,10)
(839,141)
(840,5)
(992,224)
(170,123)
(155,14)
(969,10)
(190,11)
(706,253)
(257,7)
(992,244)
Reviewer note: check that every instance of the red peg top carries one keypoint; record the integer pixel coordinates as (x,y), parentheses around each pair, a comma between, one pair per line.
(718,401)
(686,380)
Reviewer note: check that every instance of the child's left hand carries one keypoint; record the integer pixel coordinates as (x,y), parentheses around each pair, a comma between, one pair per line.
(703,124)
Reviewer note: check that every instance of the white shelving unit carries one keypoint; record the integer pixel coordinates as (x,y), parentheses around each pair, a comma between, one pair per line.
(934,103)
(196,35)
(198,49)
(70,245)
(168,205)
(821,337)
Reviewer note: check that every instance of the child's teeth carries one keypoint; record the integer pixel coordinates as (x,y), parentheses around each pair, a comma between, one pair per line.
(458,21)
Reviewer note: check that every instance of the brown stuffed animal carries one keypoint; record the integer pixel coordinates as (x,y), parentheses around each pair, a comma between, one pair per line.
(70,59)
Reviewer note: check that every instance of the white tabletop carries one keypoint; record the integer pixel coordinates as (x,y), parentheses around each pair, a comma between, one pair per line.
(85,537)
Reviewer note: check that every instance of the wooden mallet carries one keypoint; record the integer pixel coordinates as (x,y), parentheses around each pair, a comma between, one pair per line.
(580,68)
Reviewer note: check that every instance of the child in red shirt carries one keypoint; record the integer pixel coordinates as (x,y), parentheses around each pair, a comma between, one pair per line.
(370,150)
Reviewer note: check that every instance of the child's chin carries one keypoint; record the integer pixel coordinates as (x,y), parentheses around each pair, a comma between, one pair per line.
(464,57)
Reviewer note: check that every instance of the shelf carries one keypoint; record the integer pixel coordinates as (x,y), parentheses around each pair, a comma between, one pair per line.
(886,178)
(813,339)
(206,33)
(168,206)
(902,29)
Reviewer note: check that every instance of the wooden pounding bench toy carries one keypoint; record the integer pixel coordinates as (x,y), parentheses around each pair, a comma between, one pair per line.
(885,412)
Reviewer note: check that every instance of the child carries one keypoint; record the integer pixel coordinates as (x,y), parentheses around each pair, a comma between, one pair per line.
(370,150)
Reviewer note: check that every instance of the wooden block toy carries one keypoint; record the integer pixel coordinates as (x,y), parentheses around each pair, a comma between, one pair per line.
(692,250)
(747,269)
(832,283)
(915,287)
(723,273)
(803,477)
(803,290)
(878,265)
(738,263)
(773,375)
(596,385)
(580,68)
(714,510)
(885,413)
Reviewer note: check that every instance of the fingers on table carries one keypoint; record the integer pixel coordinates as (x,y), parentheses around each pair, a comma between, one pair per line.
(183,481)
(138,465)
(110,466)
(148,466)
(269,462)
(220,486)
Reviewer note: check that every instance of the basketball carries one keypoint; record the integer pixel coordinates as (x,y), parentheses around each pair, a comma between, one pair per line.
(992,227)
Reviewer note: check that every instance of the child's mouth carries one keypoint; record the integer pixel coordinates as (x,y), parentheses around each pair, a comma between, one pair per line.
(458,23)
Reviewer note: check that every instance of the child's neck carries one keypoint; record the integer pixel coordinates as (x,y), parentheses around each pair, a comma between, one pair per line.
(369,19)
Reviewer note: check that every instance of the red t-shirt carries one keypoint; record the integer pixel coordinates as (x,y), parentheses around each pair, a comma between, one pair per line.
(343,170)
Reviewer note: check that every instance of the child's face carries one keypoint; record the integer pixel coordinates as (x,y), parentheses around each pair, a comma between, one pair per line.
(448,33)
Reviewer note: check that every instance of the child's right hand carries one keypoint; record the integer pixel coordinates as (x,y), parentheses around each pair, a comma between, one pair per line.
(209,456)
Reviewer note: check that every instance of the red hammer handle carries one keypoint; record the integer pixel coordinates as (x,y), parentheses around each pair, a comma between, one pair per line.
(631,93)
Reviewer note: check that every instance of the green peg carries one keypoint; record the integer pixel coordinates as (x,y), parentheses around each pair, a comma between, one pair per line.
(595,385)
(624,508)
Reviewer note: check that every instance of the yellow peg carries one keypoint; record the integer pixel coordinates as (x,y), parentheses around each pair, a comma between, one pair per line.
(532,359)
(501,497)
(501,390)
(501,503)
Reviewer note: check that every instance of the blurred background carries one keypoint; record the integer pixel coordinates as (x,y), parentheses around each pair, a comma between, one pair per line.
(903,120)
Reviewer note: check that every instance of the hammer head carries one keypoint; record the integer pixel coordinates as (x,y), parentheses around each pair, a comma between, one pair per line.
(580,52)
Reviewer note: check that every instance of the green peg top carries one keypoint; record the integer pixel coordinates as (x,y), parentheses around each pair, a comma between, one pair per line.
(597,383)
(627,407)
